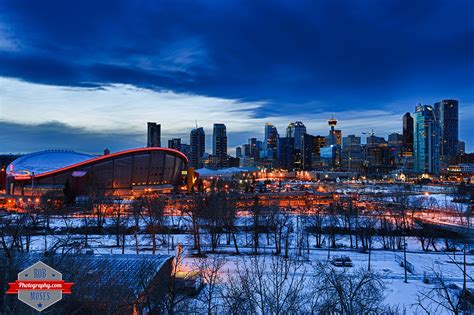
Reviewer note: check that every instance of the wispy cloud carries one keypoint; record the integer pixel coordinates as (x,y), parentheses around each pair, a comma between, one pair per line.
(22,138)
(116,116)
(7,39)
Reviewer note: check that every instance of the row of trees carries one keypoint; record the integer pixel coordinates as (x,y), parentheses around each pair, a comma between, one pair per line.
(215,218)
(262,284)
(276,285)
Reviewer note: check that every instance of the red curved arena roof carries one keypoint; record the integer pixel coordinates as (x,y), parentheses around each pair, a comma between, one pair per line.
(98,159)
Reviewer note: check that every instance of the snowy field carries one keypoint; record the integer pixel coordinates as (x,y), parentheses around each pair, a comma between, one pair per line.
(385,262)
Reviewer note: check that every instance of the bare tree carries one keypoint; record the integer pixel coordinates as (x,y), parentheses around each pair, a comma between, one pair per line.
(332,221)
(97,203)
(256,213)
(12,229)
(303,226)
(209,270)
(444,296)
(367,231)
(214,215)
(194,212)
(401,203)
(136,210)
(173,302)
(341,292)
(464,218)
(349,217)
(278,223)
(230,218)
(153,215)
(316,222)
(427,237)
(120,221)
(87,221)
(48,205)
(262,286)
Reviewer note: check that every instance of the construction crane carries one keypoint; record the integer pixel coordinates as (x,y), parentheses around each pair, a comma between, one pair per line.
(371,133)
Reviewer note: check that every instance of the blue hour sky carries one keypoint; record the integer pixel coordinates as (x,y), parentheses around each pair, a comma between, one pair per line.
(85,75)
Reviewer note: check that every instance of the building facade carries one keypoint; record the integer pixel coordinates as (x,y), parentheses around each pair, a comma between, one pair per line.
(286,147)
(395,143)
(121,173)
(311,153)
(154,135)
(197,140)
(219,146)
(426,140)
(175,143)
(238,152)
(270,143)
(296,130)
(352,153)
(447,114)
(373,141)
(407,135)
(254,149)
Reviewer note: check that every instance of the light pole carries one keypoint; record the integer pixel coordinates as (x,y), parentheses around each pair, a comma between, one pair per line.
(405,258)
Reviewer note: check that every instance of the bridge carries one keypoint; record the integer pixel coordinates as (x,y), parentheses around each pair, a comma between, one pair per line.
(447,221)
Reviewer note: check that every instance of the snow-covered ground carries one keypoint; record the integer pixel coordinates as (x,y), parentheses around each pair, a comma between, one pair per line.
(384,262)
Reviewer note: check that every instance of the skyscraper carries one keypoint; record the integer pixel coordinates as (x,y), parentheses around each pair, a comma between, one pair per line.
(186,149)
(174,143)
(373,141)
(238,152)
(308,143)
(395,139)
(219,146)
(407,135)
(350,140)
(198,146)
(395,143)
(254,150)
(426,140)
(296,130)
(154,135)
(246,148)
(461,147)
(311,152)
(352,153)
(270,146)
(446,113)
(286,146)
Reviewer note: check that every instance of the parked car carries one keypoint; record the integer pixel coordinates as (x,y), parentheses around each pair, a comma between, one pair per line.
(341,261)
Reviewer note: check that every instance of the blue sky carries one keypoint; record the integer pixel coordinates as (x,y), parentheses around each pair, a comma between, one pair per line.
(86,75)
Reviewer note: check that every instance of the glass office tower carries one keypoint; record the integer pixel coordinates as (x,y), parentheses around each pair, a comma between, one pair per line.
(426,140)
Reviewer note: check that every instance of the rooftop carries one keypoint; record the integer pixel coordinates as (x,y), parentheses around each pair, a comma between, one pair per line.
(92,273)
(45,161)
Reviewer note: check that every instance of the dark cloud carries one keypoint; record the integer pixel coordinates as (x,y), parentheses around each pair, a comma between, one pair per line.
(56,135)
(278,50)
(306,56)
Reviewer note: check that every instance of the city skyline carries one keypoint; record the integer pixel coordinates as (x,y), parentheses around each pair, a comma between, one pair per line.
(320,130)
(94,81)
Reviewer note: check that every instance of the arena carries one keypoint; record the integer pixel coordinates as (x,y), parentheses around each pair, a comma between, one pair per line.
(122,173)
